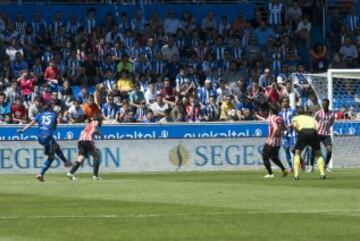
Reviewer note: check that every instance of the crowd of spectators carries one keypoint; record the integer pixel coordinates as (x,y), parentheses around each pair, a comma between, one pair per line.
(177,69)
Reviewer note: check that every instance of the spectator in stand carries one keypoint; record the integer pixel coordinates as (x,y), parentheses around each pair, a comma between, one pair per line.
(5,107)
(13,49)
(352,19)
(138,23)
(294,13)
(224,25)
(211,111)
(349,52)
(18,65)
(223,91)
(262,34)
(124,64)
(74,69)
(341,114)
(265,78)
(205,92)
(108,80)
(228,110)
(209,22)
(303,30)
(26,83)
(125,84)
(141,111)
(319,58)
(35,108)
(275,11)
(159,107)
(136,96)
(353,114)
(288,90)
(19,111)
(167,92)
(57,103)
(52,74)
(75,114)
(192,110)
(91,109)
(150,94)
(171,23)
(110,109)
(100,94)
(149,118)
(66,93)
(169,49)
(338,62)
(12,92)
(155,21)
(312,104)
(239,23)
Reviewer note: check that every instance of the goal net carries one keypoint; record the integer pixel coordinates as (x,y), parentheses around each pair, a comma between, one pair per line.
(342,88)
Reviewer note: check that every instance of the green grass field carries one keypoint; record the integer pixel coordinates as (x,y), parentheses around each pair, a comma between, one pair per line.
(210,206)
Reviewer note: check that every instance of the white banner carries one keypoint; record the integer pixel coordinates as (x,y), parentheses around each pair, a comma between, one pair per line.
(170,155)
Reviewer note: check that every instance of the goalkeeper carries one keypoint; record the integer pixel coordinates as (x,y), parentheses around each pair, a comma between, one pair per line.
(306,127)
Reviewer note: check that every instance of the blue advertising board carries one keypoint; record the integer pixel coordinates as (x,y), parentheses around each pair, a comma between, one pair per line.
(169,131)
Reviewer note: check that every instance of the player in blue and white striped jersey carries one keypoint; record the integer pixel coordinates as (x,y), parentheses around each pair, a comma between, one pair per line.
(289,137)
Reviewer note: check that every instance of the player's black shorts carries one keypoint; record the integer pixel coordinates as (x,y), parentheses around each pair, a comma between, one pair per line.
(270,152)
(326,140)
(86,148)
(307,137)
(50,145)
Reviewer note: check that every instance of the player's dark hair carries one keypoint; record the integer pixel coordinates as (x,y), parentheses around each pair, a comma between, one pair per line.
(47,107)
(326,100)
(274,109)
(99,119)
(300,110)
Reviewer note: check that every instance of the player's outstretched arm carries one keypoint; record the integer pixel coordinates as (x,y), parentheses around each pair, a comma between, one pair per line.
(28,126)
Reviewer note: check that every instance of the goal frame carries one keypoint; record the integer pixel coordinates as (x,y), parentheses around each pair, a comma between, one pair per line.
(330,75)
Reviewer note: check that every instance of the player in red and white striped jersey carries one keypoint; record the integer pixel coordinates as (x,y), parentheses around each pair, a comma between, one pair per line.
(325,119)
(273,143)
(86,147)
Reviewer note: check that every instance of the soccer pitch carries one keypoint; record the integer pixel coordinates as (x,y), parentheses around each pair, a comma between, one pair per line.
(209,206)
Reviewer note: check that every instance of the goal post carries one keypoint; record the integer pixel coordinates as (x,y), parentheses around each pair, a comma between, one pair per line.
(342,88)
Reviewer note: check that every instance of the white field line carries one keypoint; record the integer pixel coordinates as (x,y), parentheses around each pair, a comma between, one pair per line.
(355,212)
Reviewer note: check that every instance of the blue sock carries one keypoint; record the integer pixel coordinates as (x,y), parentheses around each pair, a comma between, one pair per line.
(46,166)
(288,157)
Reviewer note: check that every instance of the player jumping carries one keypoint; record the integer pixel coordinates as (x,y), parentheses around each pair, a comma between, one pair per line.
(273,143)
(306,127)
(288,141)
(86,147)
(47,122)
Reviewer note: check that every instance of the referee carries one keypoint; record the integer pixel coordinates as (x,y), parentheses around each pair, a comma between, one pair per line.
(306,127)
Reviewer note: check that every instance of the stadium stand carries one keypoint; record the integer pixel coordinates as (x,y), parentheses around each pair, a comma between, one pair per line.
(183,62)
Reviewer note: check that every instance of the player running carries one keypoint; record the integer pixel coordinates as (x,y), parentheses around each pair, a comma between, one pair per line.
(325,119)
(47,122)
(306,127)
(288,141)
(273,143)
(86,147)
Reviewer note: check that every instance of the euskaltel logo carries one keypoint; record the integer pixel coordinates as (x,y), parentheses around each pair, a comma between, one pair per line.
(179,155)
